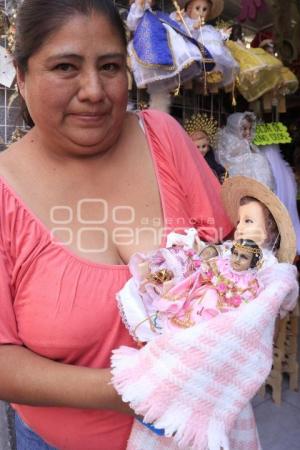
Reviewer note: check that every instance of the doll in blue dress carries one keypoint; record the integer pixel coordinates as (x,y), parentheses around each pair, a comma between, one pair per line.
(163,54)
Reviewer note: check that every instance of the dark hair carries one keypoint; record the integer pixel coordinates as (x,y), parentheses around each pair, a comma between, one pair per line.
(273,237)
(37,20)
(236,32)
(252,247)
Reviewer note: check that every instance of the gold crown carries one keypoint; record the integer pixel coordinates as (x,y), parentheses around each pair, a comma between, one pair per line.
(255,251)
(223,24)
(201,122)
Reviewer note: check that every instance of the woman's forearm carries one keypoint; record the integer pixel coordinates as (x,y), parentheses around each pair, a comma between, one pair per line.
(30,379)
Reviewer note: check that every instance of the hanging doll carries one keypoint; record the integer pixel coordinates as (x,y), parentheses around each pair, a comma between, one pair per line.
(287,83)
(259,71)
(162,55)
(203,130)
(236,152)
(196,13)
(196,383)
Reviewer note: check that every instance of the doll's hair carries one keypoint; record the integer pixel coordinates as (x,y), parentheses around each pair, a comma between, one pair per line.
(272,241)
(210,247)
(249,118)
(236,32)
(250,247)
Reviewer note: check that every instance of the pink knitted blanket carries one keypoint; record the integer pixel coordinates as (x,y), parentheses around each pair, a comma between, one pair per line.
(197,383)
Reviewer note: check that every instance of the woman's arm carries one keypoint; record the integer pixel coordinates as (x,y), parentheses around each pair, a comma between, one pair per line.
(30,379)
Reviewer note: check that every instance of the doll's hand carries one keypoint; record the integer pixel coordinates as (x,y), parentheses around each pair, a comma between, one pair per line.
(198,24)
(140,3)
(179,15)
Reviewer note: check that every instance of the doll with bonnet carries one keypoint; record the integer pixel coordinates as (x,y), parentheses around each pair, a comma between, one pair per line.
(196,14)
(162,55)
(236,152)
(203,130)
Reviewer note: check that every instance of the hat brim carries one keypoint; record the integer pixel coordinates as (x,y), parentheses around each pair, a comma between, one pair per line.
(216,8)
(235,188)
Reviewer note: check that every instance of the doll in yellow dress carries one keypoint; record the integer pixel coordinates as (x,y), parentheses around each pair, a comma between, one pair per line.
(287,84)
(260,72)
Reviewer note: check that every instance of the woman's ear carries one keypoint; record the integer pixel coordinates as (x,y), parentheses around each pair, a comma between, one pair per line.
(21,81)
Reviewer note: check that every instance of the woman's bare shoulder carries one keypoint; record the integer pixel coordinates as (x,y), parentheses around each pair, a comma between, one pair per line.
(12,160)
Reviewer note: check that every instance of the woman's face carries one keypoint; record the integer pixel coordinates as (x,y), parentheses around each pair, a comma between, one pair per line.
(75,87)
(198,8)
(246,128)
(201,141)
(240,259)
(251,223)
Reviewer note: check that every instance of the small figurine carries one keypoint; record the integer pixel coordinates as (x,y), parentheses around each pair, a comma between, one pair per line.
(203,130)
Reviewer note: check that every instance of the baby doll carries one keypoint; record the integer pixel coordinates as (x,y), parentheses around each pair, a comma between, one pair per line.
(172,288)
(203,130)
(236,152)
(259,71)
(196,13)
(287,81)
(217,286)
(162,55)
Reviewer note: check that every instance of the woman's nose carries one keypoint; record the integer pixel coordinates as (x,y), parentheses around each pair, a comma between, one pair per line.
(91,87)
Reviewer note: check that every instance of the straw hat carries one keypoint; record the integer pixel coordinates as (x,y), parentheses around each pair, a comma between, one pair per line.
(217,7)
(235,188)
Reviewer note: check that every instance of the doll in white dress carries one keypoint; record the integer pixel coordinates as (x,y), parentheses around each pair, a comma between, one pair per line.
(236,152)
(195,15)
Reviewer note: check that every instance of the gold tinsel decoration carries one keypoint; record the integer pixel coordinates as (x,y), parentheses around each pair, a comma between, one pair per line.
(201,122)
(17,134)
(11,31)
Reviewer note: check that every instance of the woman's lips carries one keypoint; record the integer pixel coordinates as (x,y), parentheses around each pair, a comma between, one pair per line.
(88,117)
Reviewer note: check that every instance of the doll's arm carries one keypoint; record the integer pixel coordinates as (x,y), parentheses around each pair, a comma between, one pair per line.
(136,12)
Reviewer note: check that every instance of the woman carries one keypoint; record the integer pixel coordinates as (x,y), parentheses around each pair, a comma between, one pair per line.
(106,184)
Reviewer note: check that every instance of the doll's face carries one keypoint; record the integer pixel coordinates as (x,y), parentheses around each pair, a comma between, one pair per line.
(240,259)
(246,128)
(269,48)
(251,223)
(208,252)
(198,8)
(201,141)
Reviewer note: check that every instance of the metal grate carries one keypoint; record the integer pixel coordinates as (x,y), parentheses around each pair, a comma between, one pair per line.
(10,117)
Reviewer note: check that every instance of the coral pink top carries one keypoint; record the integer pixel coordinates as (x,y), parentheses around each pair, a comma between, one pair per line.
(63,307)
